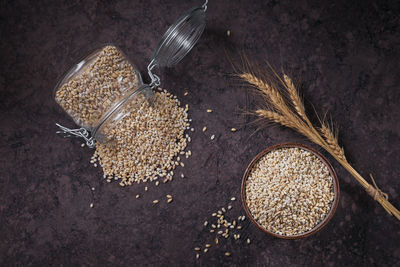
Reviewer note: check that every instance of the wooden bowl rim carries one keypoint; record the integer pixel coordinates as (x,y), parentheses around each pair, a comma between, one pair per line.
(331,212)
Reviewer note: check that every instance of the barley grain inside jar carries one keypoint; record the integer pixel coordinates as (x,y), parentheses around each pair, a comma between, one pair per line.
(97,86)
(290,191)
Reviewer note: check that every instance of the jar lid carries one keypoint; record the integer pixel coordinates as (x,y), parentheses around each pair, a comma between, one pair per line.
(180,38)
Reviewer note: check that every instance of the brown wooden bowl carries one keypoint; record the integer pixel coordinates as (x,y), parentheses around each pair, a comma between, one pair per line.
(335,188)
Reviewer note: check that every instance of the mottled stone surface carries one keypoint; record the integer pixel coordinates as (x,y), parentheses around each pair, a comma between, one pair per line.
(347,55)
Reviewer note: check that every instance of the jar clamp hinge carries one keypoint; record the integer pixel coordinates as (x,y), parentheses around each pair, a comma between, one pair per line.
(204,6)
(81,132)
(155,80)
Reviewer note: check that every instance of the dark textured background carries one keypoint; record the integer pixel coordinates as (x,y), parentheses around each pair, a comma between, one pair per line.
(347,55)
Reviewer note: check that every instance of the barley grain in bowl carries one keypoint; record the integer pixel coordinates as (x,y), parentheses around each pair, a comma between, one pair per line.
(290,191)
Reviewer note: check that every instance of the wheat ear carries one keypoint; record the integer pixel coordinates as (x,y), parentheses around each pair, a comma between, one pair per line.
(281,112)
(275,117)
(295,98)
(332,141)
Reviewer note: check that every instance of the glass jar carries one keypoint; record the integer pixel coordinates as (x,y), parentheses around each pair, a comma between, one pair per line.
(102,89)
(98,87)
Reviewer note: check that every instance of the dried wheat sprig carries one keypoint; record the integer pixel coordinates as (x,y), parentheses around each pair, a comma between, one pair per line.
(279,112)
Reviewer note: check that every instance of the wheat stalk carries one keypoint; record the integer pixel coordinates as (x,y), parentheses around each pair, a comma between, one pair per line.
(279,111)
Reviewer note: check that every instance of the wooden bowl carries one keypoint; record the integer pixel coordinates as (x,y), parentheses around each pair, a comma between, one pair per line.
(320,225)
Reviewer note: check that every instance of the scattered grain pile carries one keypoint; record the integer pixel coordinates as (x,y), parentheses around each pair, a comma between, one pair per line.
(93,90)
(222,227)
(289,191)
(147,143)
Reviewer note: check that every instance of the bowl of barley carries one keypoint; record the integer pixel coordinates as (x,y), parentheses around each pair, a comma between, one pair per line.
(290,191)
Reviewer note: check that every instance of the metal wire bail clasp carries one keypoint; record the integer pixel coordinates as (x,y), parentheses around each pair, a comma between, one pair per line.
(204,6)
(81,132)
(155,80)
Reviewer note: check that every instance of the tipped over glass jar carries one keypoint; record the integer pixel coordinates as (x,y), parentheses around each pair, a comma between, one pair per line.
(104,87)
(96,92)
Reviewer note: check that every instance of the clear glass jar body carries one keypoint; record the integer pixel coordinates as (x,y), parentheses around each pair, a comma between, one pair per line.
(97,87)
(135,103)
